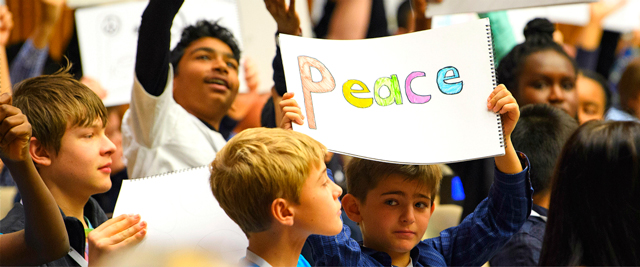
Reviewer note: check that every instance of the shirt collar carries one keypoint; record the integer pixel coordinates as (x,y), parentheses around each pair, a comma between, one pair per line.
(255,259)
(385,259)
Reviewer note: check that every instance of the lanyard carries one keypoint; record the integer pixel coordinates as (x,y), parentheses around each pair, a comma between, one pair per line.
(77,257)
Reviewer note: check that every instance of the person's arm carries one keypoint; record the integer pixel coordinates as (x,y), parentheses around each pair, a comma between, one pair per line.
(33,54)
(153,51)
(504,211)
(338,250)
(6,24)
(591,34)
(350,20)
(419,11)
(501,101)
(45,237)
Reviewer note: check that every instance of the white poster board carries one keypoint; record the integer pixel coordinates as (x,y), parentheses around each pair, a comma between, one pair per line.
(479,6)
(182,215)
(108,37)
(440,118)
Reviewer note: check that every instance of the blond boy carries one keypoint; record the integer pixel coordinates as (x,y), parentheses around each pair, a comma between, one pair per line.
(393,204)
(273,183)
(73,157)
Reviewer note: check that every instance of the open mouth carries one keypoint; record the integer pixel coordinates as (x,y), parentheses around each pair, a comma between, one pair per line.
(217,81)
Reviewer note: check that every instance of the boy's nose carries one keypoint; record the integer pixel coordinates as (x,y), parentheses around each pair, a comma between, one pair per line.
(108,146)
(338,192)
(408,216)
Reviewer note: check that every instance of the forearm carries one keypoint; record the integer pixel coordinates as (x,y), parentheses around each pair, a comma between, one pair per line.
(350,20)
(153,51)
(43,220)
(590,36)
(5,80)
(29,62)
(509,162)
(50,15)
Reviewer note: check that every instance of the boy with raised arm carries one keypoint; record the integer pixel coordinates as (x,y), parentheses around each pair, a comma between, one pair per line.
(72,155)
(273,183)
(179,97)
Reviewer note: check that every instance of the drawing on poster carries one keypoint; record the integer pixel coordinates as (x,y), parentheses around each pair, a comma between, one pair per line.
(326,84)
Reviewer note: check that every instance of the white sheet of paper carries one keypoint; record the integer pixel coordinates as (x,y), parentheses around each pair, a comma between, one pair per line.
(108,37)
(182,214)
(465,6)
(447,128)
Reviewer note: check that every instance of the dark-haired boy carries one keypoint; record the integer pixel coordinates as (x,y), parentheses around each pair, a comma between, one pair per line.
(73,156)
(393,205)
(179,97)
(541,133)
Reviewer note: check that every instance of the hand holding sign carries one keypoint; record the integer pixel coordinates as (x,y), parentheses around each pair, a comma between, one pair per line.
(291,112)
(501,101)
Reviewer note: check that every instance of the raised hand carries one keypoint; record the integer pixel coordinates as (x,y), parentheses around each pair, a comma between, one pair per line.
(286,17)
(6,25)
(115,234)
(15,132)
(291,112)
(501,101)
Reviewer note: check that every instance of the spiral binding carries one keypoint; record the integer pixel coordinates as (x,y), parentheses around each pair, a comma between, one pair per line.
(493,79)
(170,173)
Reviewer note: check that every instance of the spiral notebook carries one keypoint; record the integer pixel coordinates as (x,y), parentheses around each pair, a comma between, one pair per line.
(182,214)
(417,98)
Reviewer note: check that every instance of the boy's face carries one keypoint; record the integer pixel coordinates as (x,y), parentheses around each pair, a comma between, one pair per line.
(207,77)
(319,208)
(83,163)
(395,215)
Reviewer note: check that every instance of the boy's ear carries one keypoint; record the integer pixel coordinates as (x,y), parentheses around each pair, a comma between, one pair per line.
(433,206)
(351,206)
(282,211)
(39,153)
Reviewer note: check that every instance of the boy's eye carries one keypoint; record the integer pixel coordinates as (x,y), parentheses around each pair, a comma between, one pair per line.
(422,205)
(203,57)
(391,202)
(232,65)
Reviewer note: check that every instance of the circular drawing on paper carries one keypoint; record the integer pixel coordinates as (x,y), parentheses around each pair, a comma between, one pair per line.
(111,25)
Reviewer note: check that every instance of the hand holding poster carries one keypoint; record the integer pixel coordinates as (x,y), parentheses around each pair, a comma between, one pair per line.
(418,98)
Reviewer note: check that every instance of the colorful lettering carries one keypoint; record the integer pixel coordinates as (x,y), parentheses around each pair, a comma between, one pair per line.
(413,97)
(444,86)
(327,84)
(348,91)
(394,91)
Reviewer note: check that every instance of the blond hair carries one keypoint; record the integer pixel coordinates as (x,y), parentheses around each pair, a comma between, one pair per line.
(256,167)
(54,102)
(364,175)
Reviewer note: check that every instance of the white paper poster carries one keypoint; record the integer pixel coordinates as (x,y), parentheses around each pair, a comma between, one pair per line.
(418,98)
(479,6)
(182,215)
(108,37)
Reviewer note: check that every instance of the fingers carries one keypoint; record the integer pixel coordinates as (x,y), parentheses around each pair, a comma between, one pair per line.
(498,93)
(14,127)
(5,99)
(293,114)
(118,232)
(291,111)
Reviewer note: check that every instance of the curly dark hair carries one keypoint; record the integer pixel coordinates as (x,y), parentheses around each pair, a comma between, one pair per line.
(538,37)
(203,28)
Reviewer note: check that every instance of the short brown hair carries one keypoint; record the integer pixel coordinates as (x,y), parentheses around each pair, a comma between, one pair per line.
(54,102)
(364,175)
(259,165)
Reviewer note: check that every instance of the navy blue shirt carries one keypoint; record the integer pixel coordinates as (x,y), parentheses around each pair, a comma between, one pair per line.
(473,242)
(524,247)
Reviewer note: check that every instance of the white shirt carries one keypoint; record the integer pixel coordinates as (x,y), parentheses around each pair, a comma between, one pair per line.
(160,136)
(254,258)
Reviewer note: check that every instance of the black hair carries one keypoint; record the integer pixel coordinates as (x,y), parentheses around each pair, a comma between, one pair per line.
(540,134)
(203,28)
(403,15)
(602,82)
(538,37)
(594,212)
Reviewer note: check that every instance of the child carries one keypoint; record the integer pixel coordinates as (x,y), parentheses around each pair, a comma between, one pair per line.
(273,183)
(393,204)
(541,132)
(594,211)
(72,155)
(42,219)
